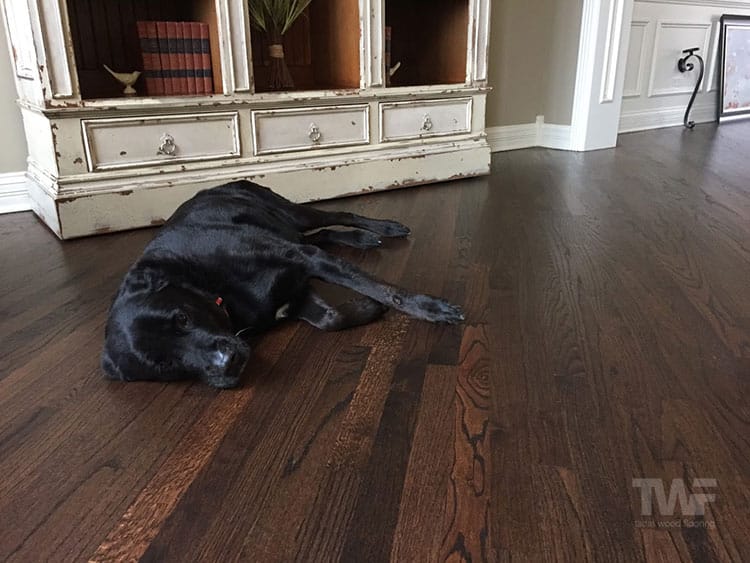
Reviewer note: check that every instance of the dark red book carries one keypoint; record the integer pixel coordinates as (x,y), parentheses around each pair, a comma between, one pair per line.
(161,32)
(205,69)
(172,58)
(152,73)
(185,58)
(194,56)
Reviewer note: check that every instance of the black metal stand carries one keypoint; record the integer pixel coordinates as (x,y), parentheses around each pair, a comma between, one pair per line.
(684,66)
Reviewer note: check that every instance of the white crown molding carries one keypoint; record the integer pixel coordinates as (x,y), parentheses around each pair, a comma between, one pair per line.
(14,194)
(664,117)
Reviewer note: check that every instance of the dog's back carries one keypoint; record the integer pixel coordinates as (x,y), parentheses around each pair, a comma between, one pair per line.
(238,203)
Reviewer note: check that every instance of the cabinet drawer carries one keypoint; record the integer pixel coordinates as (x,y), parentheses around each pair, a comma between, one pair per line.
(300,129)
(142,141)
(421,119)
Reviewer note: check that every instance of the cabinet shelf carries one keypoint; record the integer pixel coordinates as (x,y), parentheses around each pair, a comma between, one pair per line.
(429,38)
(322,48)
(105,32)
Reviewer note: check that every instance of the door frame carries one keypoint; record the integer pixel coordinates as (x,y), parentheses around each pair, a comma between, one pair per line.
(600,73)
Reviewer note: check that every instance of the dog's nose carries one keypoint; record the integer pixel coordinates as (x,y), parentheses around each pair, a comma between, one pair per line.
(224,354)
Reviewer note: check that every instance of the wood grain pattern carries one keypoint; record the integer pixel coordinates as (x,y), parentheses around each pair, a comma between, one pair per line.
(467,517)
(607,340)
(335,34)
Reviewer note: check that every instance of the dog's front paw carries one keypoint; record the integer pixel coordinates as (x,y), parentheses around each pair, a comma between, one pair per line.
(436,310)
(365,239)
(393,229)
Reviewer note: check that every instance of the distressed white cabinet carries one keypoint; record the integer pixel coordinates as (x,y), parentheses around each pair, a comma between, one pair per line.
(100,163)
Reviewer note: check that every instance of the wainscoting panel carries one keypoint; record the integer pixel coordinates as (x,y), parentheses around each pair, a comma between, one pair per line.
(656,93)
(636,53)
(671,38)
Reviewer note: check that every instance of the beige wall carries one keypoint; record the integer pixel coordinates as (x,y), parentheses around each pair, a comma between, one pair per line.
(533,56)
(565,35)
(13,144)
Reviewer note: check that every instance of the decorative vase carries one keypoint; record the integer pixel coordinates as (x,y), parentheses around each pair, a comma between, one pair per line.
(279,77)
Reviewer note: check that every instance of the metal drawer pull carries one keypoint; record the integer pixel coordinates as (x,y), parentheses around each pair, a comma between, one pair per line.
(314,133)
(167,146)
(427,123)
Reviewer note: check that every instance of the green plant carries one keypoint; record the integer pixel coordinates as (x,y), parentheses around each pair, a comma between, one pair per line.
(276,16)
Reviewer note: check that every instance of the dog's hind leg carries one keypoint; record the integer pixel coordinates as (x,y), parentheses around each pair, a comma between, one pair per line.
(331,269)
(309,218)
(355,312)
(356,238)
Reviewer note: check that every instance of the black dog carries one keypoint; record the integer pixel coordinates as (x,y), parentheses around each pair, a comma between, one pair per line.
(236,258)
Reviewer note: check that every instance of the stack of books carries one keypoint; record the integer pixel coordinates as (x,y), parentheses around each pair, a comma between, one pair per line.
(176,58)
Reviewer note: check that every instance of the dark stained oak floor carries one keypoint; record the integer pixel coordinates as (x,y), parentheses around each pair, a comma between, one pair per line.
(607,339)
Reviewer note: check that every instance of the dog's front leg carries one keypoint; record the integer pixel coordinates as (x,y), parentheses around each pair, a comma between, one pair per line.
(356,312)
(328,268)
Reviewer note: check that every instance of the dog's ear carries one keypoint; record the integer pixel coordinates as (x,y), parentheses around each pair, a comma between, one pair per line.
(146,279)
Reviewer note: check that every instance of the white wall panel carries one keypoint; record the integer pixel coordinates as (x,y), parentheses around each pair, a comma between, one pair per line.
(656,93)
(636,54)
(672,37)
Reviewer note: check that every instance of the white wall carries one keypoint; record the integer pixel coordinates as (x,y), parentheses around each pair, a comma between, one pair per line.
(13,153)
(656,93)
(517,61)
(562,59)
(533,54)
(532,71)
(13,195)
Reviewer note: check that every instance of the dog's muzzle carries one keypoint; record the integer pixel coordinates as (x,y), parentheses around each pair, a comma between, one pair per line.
(227,362)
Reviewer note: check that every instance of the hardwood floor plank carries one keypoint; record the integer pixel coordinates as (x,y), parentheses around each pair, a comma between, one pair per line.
(283,514)
(467,526)
(373,524)
(144,518)
(336,501)
(419,533)
(249,461)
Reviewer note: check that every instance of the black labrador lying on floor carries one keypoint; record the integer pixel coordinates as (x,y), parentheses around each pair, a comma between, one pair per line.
(236,259)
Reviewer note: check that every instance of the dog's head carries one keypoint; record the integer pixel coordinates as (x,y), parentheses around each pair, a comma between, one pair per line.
(162,331)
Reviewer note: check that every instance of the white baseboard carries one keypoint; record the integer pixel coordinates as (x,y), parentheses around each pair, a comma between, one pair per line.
(631,121)
(529,135)
(555,136)
(512,137)
(14,194)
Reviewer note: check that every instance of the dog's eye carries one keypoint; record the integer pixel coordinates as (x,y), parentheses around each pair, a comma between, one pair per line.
(182,320)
